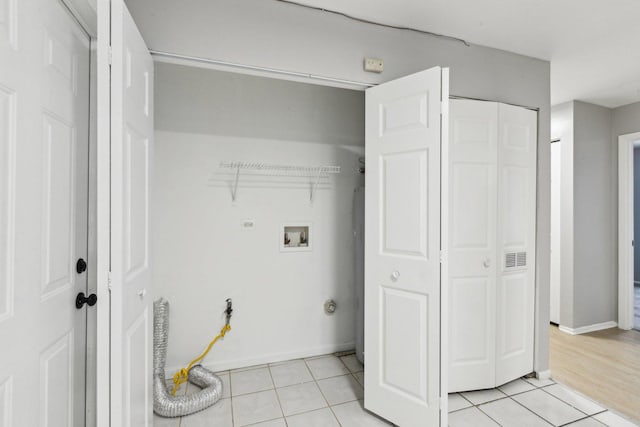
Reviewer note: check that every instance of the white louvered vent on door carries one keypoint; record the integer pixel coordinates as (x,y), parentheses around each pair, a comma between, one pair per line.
(521,259)
(515,260)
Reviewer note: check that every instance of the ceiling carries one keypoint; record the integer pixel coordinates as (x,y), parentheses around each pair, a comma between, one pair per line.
(593,45)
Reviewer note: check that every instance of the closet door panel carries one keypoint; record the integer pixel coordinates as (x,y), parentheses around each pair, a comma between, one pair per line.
(472,266)
(516,242)
(512,325)
(402,260)
(472,322)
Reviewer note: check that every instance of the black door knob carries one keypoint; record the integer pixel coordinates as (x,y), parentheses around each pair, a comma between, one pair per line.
(81,266)
(81,300)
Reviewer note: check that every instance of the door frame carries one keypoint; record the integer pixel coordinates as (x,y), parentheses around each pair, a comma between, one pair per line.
(98,376)
(559,219)
(625,229)
(86,19)
(103,214)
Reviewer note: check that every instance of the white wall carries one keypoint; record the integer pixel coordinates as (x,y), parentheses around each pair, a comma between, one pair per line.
(562,128)
(278,35)
(202,255)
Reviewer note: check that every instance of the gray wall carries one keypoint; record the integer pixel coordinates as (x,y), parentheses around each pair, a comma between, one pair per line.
(594,214)
(589,134)
(282,36)
(626,119)
(198,100)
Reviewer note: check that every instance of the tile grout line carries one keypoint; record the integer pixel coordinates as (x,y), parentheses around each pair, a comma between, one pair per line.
(586,416)
(470,402)
(566,403)
(275,391)
(488,416)
(575,421)
(603,409)
(473,405)
(518,403)
(330,407)
(543,388)
(323,396)
(233,420)
(487,401)
(534,413)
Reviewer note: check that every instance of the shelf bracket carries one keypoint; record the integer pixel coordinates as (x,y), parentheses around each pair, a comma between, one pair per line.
(234,191)
(314,186)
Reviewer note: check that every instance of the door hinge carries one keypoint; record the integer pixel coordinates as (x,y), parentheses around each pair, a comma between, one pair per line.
(110,55)
(109,281)
(442,255)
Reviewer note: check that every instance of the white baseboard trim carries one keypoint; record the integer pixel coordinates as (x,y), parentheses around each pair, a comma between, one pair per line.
(543,375)
(588,328)
(263,359)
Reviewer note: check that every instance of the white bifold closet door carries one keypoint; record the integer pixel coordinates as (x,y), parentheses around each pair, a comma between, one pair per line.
(492,213)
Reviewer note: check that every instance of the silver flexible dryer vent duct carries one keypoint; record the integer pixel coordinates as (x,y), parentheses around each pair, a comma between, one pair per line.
(164,404)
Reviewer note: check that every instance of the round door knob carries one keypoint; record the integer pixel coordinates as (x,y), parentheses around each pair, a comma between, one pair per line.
(81,266)
(81,300)
(487,263)
(395,275)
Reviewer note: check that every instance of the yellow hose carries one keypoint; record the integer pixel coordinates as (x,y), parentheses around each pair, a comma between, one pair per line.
(182,375)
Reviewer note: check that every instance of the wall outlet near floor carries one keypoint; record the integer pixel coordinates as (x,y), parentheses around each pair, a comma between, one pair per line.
(373,65)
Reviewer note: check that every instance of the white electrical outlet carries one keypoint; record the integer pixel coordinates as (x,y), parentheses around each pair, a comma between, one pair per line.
(373,65)
(248,223)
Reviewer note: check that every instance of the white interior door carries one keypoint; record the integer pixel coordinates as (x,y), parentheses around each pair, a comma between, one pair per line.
(556,163)
(44,139)
(516,238)
(131,150)
(402,256)
(472,244)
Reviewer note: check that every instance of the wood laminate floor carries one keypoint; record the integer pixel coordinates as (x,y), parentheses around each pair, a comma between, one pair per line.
(603,365)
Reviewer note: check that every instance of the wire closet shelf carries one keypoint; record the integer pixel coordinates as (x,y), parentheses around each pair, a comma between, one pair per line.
(317,172)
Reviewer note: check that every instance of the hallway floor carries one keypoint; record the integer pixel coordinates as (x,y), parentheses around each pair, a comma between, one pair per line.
(604,365)
(327,391)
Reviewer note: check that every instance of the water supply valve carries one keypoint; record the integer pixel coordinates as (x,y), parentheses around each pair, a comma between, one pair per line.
(330,306)
(229,310)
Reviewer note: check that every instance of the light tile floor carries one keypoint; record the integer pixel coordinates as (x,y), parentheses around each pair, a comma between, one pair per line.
(324,391)
(327,391)
(529,402)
